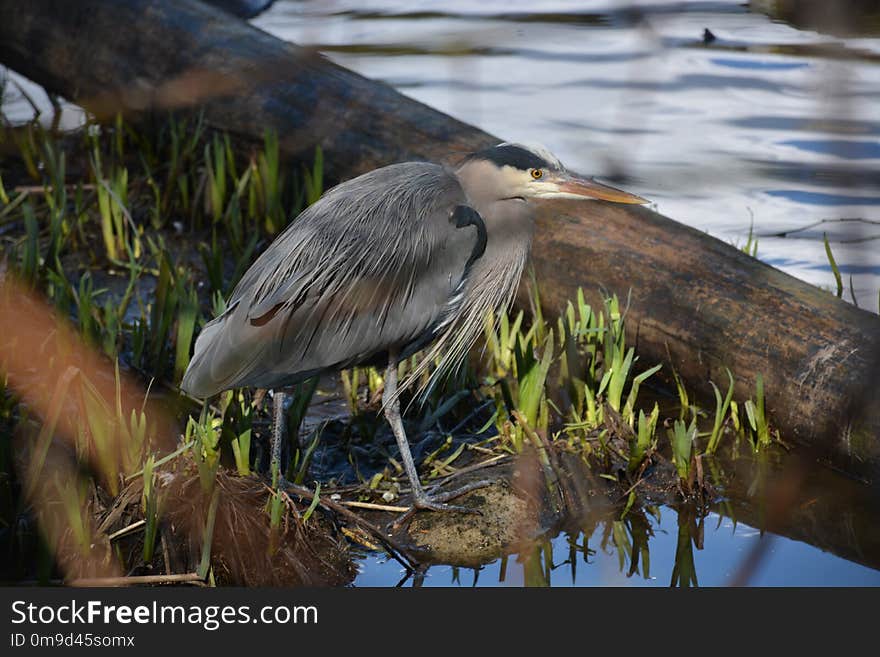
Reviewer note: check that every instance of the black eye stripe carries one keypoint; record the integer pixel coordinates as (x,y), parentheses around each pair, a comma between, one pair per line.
(513,156)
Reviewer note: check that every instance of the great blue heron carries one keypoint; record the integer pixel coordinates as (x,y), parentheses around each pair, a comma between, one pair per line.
(406,257)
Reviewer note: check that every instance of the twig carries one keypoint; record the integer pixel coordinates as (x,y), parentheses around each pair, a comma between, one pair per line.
(165,556)
(127,530)
(180,450)
(488,463)
(36,189)
(394,549)
(631,488)
(376,507)
(183,578)
(119,506)
(838,220)
(359,537)
(291,505)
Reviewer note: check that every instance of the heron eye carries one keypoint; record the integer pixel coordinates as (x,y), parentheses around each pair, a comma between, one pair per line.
(536,173)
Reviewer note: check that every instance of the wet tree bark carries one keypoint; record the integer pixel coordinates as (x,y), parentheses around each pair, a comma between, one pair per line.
(697,303)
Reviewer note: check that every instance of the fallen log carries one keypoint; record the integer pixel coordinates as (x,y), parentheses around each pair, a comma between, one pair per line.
(697,304)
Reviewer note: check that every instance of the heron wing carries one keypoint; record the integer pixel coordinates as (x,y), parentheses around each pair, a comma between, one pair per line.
(375,264)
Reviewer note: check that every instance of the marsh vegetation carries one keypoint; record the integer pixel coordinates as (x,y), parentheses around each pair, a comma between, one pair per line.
(121,240)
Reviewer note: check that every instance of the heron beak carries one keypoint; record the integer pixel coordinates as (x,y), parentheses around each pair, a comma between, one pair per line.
(589,188)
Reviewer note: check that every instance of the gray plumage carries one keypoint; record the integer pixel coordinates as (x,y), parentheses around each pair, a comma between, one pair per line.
(406,257)
(377,262)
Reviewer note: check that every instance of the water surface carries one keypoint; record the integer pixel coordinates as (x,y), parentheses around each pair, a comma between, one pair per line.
(767,123)
(595,559)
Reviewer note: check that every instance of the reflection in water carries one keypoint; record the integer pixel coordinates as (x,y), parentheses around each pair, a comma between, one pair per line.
(677,547)
(631,91)
(690,535)
(537,564)
(630,538)
(780,521)
(815,125)
(848,149)
(759,64)
(821,198)
(762,122)
(817,175)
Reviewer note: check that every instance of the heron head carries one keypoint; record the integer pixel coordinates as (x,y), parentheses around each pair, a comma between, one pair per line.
(525,172)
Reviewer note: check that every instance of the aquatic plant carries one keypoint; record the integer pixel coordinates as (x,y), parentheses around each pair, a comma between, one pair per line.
(150,507)
(757,418)
(643,442)
(591,364)
(568,385)
(721,410)
(838,279)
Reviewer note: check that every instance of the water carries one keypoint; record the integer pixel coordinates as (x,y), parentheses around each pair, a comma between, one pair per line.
(725,548)
(761,125)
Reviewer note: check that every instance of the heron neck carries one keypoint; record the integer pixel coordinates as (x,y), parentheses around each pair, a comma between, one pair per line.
(510,225)
(488,193)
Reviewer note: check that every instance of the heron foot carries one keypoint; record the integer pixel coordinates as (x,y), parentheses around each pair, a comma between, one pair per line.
(438,502)
(451,495)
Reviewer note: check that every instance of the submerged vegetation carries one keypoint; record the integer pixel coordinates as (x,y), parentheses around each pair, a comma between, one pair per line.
(135,234)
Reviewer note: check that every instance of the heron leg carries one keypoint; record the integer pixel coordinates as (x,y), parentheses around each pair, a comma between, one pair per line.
(421,500)
(278,430)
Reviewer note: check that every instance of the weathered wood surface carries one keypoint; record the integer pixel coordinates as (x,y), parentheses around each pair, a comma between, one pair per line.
(703,305)
(696,302)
